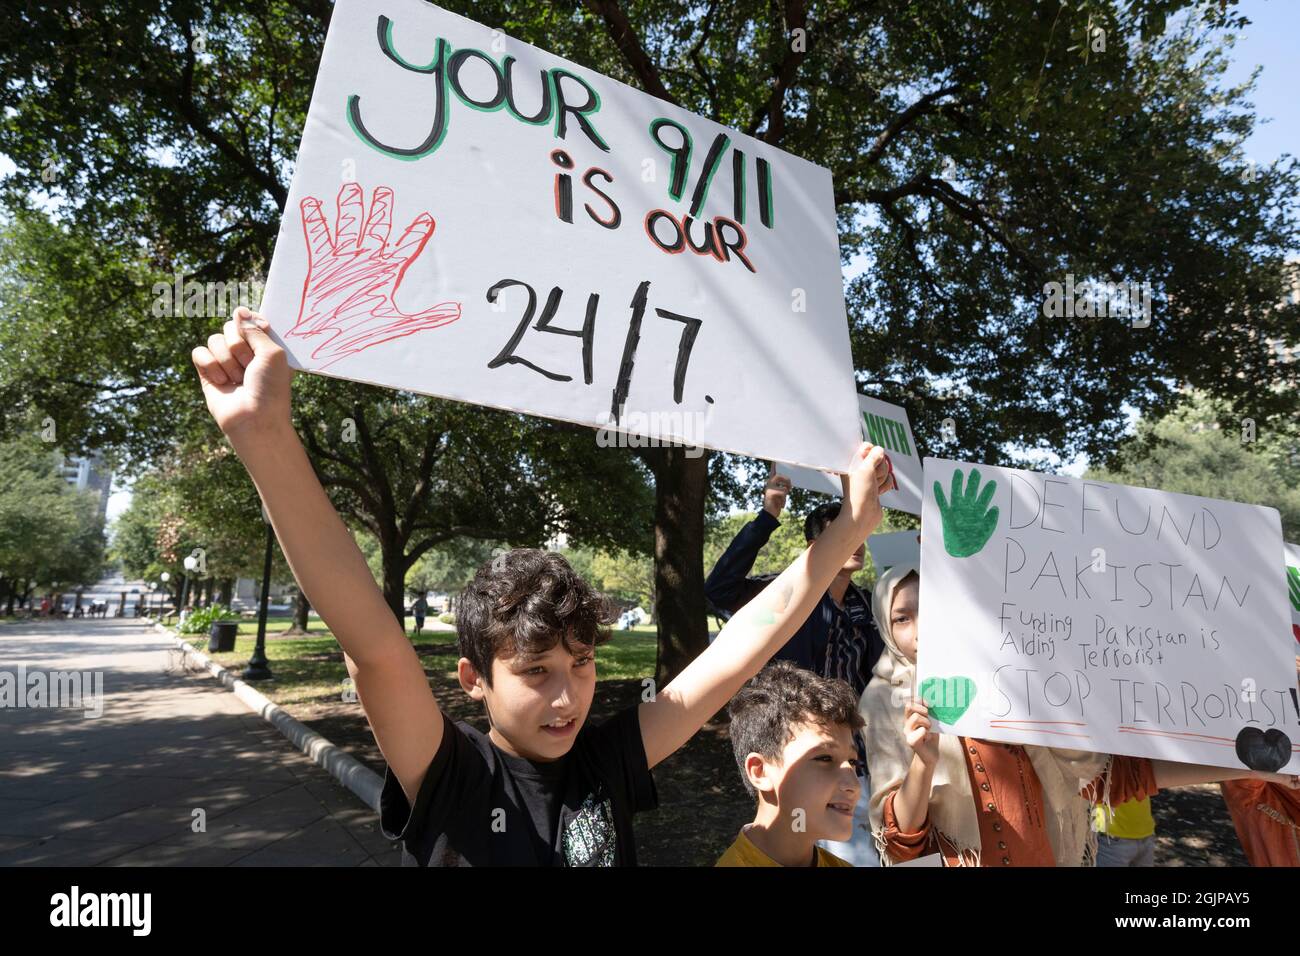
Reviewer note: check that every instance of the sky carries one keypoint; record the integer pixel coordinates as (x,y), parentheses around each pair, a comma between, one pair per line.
(1269,42)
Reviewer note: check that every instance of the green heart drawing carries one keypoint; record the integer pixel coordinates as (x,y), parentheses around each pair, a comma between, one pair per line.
(947,697)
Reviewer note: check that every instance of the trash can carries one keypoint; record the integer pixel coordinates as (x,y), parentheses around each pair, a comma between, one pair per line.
(221,636)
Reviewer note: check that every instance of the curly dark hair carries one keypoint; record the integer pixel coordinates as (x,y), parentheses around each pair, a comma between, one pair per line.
(526,601)
(765,711)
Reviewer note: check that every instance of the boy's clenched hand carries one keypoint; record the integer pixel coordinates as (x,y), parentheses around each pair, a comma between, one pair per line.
(869,476)
(245,377)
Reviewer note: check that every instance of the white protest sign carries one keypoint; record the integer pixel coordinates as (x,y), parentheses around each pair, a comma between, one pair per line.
(1293,585)
(1091,616)
(474,218)
(885,425)
(895,547)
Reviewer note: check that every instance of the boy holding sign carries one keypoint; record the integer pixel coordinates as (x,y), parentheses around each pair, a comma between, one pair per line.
(542,787)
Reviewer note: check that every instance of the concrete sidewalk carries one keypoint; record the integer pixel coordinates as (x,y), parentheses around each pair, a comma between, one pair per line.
(125,788)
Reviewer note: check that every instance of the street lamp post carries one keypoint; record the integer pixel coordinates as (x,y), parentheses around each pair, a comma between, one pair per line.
(191,563)
(259,668)
(164,577)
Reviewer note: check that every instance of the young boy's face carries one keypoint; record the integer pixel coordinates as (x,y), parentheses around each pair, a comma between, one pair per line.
(537,703)
(816,775)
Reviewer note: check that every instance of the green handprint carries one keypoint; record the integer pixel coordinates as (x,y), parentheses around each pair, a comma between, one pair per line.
(968,522)
(1293,585)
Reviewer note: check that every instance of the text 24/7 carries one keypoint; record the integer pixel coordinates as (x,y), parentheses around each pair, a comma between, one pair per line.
(507,356)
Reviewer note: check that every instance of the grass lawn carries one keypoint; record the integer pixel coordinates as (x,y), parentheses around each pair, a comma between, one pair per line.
(310,669)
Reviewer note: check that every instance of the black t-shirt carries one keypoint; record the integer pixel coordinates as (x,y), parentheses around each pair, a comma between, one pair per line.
(479,806)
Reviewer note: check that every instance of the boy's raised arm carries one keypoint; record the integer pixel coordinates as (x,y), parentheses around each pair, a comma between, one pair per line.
(760,628)
(246,383)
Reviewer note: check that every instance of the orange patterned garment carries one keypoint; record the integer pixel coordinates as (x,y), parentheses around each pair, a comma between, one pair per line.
(1267,818)
(1010,803)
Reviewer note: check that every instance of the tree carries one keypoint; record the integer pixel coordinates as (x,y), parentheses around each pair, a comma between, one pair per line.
(81,353)
(627,577)
(50,534)
(417,472)
(449,566)
(979,152)
(198,501)
(1189,452)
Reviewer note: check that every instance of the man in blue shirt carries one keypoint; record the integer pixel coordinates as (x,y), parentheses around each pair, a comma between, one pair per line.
(839,639)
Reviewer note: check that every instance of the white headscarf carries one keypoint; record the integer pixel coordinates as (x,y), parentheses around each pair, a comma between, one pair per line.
(953,815)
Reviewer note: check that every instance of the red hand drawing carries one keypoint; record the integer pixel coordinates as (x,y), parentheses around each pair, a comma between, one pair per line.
(352,278)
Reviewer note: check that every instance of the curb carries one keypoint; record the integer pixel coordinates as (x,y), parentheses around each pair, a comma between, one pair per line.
(345,768)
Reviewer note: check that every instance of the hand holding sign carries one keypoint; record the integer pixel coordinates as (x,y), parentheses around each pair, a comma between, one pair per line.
(968,521)
(245,376)
(353,276)
(919,733)
(869,476)
(774,494)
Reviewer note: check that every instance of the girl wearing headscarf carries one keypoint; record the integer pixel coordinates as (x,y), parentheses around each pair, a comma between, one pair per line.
(978,802)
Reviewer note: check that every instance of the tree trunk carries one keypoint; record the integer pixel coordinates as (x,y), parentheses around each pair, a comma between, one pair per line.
(301,608)
(681,486)
(394,562)
(226,591)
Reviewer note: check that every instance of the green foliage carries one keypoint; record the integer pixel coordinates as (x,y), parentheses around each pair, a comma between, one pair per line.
(448,567)
(50,534)
(197,496)
(626,577)
(200,620)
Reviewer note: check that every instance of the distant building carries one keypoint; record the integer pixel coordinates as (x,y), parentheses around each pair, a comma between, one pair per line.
(248,592)
(1289,351)
(90,474)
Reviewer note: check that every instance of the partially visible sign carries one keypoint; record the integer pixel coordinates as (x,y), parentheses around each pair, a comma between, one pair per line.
(885,425)
(1082,614)
(895,547)
(1293,585)
(474,218)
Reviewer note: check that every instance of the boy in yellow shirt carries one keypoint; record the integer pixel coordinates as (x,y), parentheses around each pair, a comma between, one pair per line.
(792,734)
(1126,836)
